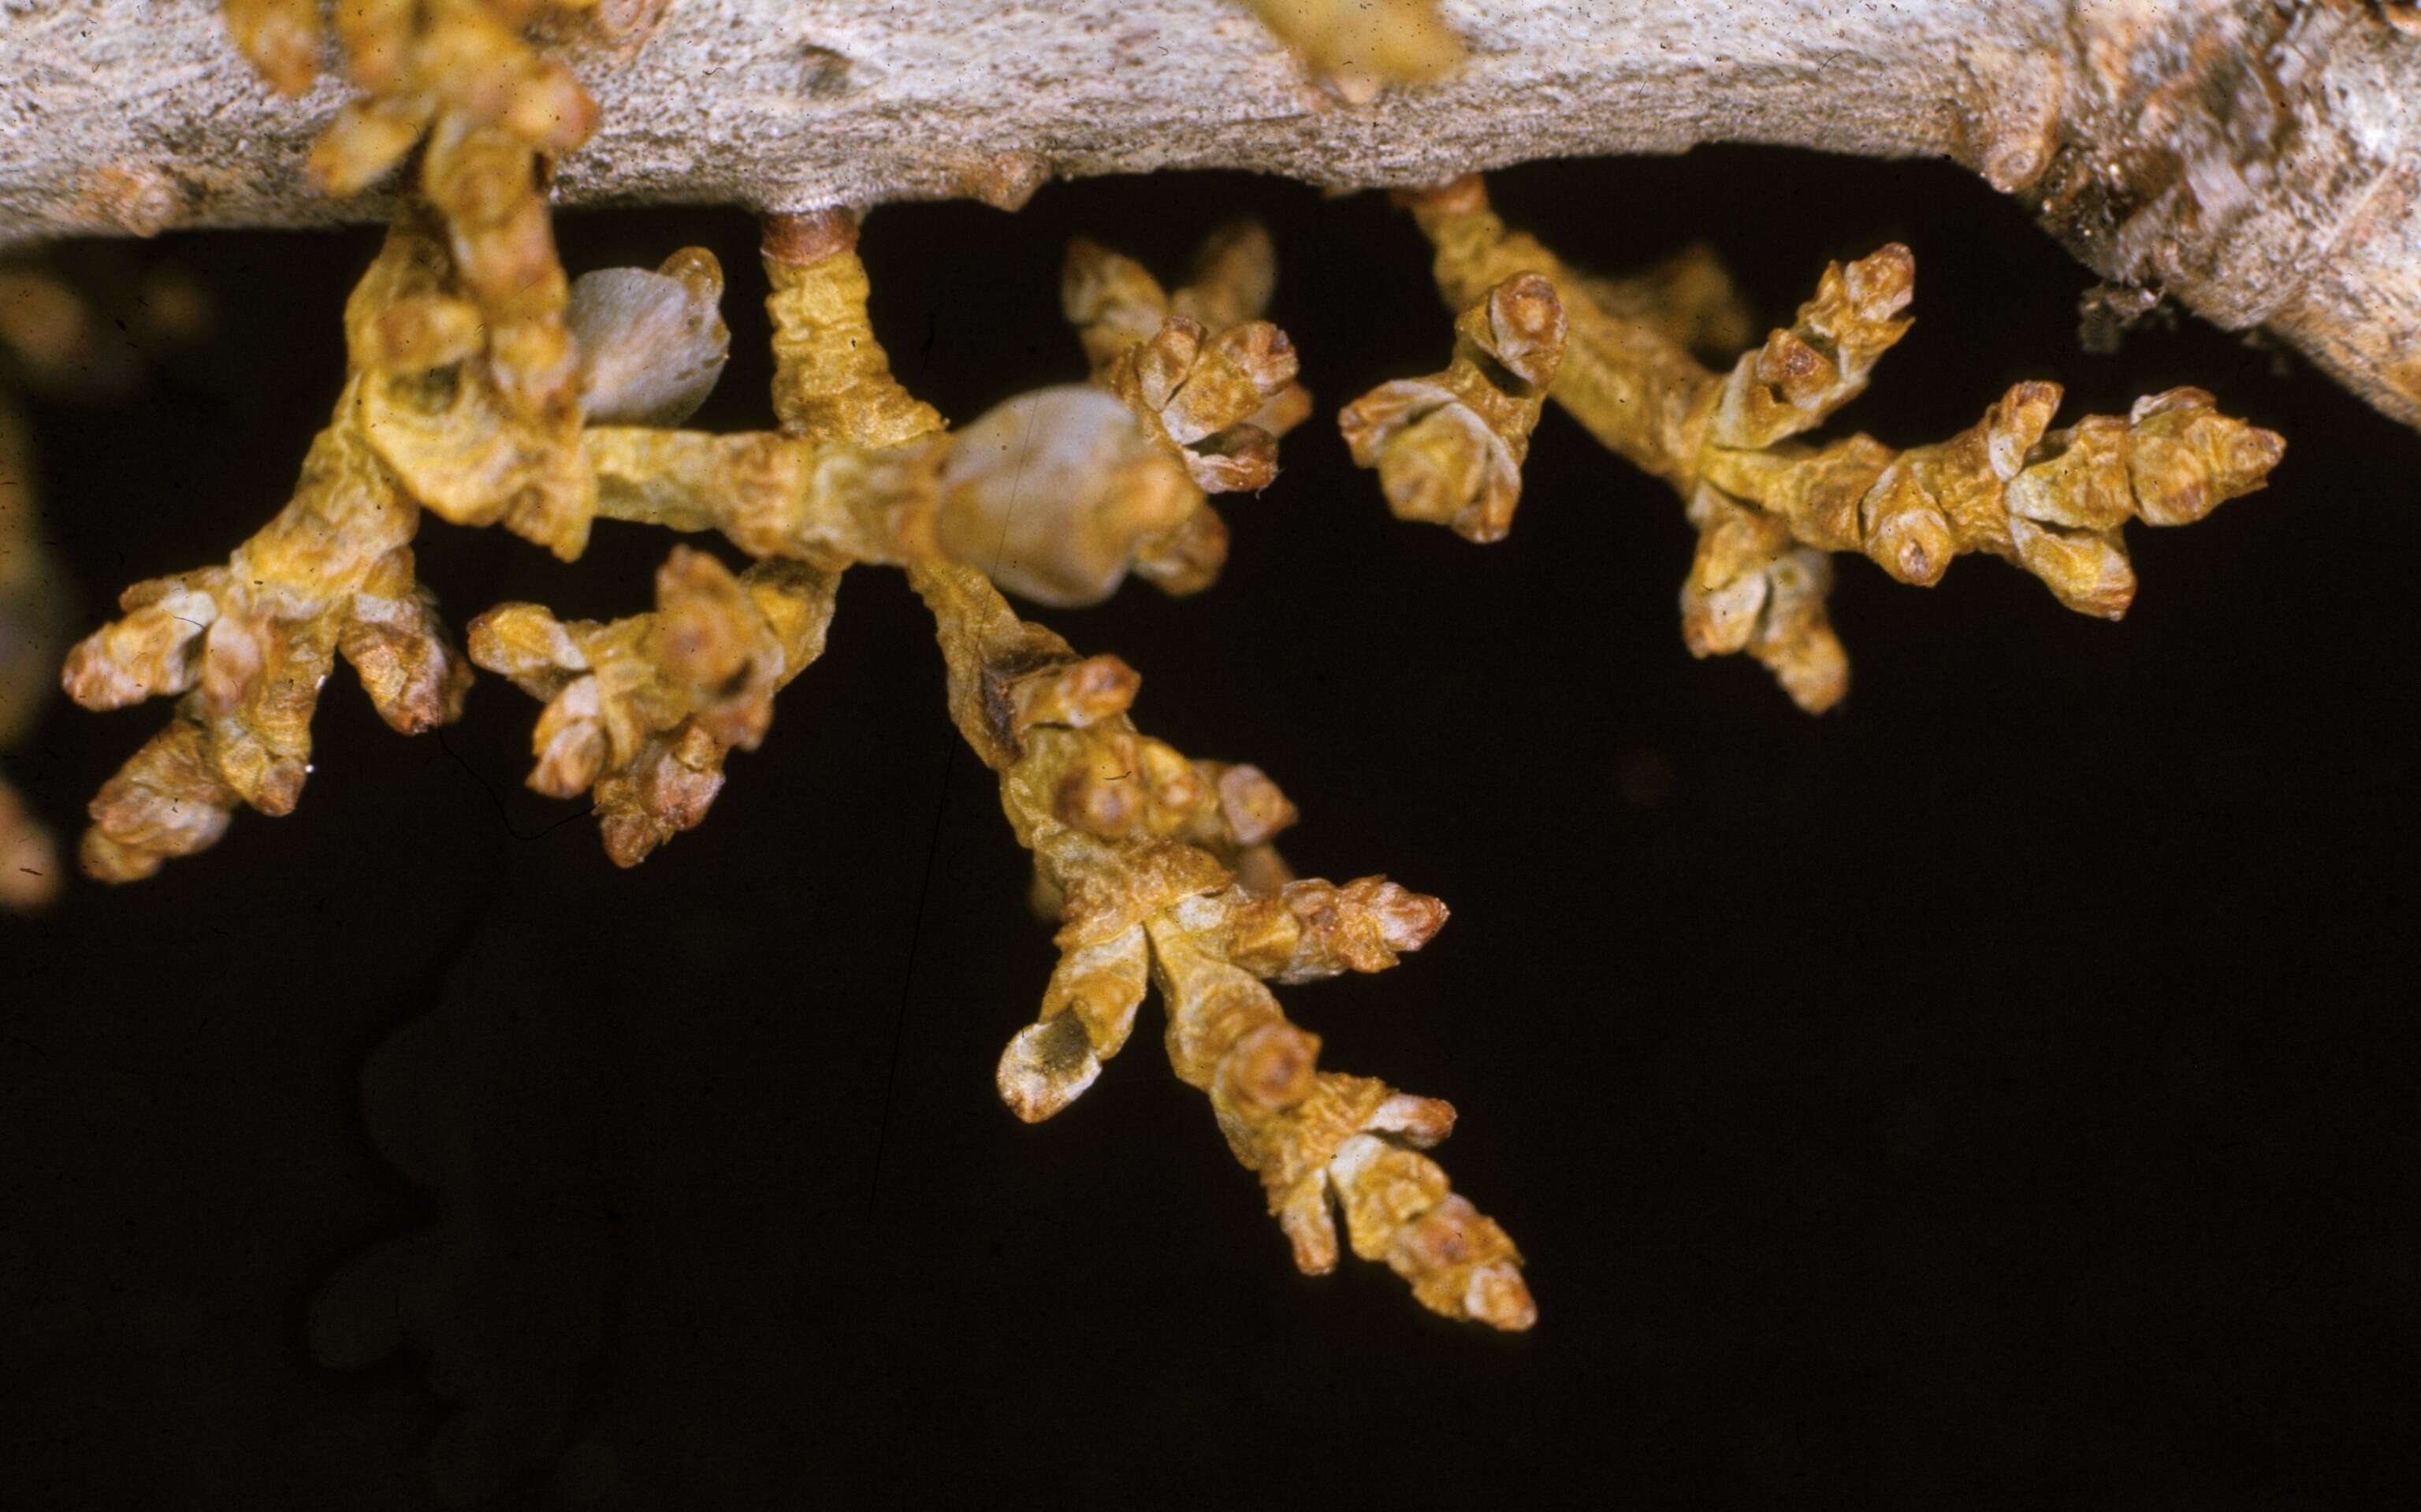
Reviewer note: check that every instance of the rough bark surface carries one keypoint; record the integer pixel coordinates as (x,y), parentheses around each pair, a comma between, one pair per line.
(2260,161)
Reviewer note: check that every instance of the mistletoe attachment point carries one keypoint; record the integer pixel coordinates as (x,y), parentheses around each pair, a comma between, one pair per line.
(469,383)
(1356,48)
(416,63)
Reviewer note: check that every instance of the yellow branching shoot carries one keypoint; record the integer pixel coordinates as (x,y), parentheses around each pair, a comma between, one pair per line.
(1768,508)
(1137,840)
(247,644)
(486,388)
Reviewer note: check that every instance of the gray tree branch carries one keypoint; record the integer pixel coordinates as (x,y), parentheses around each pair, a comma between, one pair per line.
(2260,163)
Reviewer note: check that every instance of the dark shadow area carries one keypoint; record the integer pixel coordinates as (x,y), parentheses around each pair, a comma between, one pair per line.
(1996,1092)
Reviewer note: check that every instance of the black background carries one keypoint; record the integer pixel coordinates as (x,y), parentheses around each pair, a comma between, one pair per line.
(1996,1091)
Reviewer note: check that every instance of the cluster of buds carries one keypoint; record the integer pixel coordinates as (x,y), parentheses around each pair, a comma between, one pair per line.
(643,710)
(1203,372)
(247,645)
(1449,447)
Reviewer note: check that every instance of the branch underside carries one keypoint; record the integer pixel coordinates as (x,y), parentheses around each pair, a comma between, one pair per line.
(2258,166)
